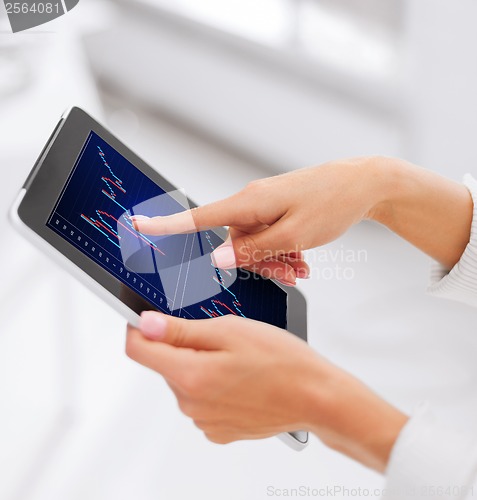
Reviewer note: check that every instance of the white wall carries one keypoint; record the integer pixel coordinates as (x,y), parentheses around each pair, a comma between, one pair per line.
(285,110)
(441,85)
(277,109)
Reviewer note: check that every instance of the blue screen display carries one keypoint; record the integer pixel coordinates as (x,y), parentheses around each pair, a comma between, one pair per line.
(175,273)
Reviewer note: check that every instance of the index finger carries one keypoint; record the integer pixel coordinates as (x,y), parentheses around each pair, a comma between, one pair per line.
(220,213)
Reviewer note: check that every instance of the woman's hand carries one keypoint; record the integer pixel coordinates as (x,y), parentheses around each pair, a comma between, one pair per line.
(242,379)
(272,220)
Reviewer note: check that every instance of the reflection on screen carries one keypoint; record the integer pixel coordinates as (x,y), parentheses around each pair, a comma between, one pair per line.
(175,273)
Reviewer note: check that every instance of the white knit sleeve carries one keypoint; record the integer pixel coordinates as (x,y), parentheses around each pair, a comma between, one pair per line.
(460,283)
(431,461)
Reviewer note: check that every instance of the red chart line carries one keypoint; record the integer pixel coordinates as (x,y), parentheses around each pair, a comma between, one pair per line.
(224,305)
(106,179)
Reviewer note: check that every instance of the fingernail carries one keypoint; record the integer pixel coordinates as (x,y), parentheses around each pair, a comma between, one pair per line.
(287,283)
(139,217)
(224,257)
(302,274)
(153,325)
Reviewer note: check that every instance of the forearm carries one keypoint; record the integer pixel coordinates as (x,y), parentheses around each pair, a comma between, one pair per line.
(431,212)
(351,419)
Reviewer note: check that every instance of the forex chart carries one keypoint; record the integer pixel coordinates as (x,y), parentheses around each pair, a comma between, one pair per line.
(173,273)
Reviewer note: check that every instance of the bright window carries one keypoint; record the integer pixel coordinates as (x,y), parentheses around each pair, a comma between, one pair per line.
(356,35)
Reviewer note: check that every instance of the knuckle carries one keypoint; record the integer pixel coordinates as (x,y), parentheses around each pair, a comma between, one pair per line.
(202,424)
(187,407)
(231,320)
(255,186)
(218,438)
(227,325)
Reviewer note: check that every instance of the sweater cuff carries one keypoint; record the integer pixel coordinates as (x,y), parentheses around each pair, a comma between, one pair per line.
(461,282)
(430,461)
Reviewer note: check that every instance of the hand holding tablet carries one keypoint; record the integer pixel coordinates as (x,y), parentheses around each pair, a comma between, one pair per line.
(236,378)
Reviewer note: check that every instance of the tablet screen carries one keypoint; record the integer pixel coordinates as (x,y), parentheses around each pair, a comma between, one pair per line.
(174,273)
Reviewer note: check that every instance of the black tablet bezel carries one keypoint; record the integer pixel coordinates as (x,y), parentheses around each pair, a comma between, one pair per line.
(45,184)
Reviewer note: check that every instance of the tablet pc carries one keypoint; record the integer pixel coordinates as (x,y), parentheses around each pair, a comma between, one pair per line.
(75,205)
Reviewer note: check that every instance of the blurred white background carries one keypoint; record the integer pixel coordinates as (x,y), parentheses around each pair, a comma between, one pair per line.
(214,94)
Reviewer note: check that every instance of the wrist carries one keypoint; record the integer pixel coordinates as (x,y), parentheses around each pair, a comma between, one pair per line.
(385,179)
(351,419)
(431,212)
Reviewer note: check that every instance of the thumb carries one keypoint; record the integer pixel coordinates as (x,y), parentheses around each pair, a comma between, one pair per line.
(203,334)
